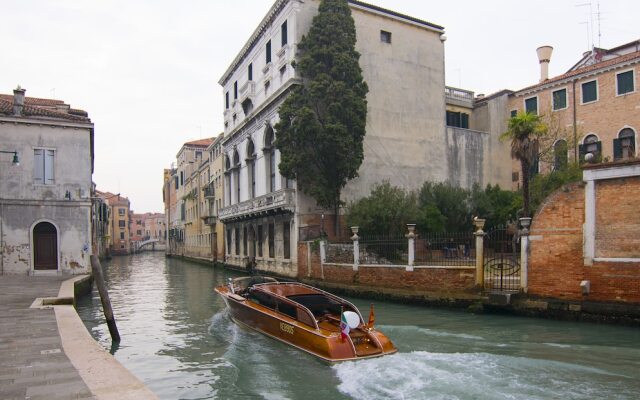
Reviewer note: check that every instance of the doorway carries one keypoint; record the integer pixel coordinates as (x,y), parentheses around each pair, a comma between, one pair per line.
(45,247)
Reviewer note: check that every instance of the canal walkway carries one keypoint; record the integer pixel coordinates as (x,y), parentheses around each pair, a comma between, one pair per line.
(47,353)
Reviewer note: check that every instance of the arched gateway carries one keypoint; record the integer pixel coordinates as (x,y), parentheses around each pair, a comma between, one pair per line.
(45,247)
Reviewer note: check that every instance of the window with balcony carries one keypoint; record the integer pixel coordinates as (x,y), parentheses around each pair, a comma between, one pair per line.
(589,92)
(268,52)
(43,166)
(251,167)
(624,147)
(531,105)
(283,34)
(625,83)
(559,99)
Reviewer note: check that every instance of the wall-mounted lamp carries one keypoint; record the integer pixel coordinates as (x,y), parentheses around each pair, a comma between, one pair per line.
(16,160)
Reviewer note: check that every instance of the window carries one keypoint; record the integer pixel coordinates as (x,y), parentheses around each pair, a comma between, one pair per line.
(559,99)
(271,240)
(259,240)
(121,211)
(235,90)
(560,155)
(385,37)
(513,113)
(268,52)
(226,100)
(458,119)
(250,72)
(251,161)
(228,241)
(286,239)
(236,174)
(591,144)
(244,241)
(43,166)
(283,33)
(122,235)
(589,92)
(270,153)
(139,232)
(515,176)
(531,105)
(122,223)
(237,241)
(624,147)
(624,83)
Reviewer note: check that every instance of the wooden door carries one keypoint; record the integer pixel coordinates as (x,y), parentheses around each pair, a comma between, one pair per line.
(45,247)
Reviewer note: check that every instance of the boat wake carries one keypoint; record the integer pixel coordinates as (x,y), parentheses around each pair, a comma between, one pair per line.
(424,375)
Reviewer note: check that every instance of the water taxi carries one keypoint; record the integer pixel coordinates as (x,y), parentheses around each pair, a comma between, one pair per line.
(305,317)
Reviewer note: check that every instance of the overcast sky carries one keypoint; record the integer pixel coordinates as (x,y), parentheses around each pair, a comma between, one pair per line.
(147,71)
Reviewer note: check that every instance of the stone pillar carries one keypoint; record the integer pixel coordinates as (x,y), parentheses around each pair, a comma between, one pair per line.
(323,251)
(479,234)
(356,247)
(411,237)
(524,253)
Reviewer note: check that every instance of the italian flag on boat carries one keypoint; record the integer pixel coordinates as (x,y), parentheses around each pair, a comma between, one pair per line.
(344,326)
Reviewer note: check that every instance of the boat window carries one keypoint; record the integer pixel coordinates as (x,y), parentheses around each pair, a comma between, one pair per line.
(262,298)
(286,309)
(318,304)
(305,318)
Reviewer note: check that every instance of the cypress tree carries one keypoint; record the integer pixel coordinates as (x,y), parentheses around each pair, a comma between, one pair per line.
(322,122)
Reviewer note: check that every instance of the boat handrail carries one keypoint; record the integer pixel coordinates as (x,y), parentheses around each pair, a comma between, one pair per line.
(332,296)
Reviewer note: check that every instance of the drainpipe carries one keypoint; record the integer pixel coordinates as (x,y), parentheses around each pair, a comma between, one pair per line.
(1,240)
(575,126)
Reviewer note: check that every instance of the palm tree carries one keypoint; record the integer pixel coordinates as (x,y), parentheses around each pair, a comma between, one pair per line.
(525,130)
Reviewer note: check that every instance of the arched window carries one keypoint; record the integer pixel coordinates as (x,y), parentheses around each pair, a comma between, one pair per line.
(270,155)
(591,144)
(236,174)
(227,185)
(624,147)
(560,155)
(251,169)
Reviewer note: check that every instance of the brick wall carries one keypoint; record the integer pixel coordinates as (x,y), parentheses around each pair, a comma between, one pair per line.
(556,265)
(447,279)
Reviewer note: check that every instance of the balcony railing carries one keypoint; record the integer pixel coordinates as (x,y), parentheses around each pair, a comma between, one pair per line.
(209,219)
(283,200)
(456,95)
(247,90)
(209,191)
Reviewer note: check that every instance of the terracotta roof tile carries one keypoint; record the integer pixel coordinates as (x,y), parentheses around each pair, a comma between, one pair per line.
(200,142)
(34,101)
(37,109)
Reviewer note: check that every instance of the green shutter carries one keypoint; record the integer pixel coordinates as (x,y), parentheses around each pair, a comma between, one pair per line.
(589,92)
(464,121)
(625,82)
(617,149)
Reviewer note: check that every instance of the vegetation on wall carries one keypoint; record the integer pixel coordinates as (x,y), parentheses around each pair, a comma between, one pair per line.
(322,121)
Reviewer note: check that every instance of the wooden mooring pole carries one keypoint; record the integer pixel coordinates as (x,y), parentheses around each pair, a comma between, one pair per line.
(104,297)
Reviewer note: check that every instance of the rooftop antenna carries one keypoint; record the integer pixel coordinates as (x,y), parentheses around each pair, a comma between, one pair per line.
(589,24)
(599,32)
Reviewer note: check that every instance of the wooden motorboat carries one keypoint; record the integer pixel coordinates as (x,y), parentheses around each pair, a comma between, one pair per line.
(305,317)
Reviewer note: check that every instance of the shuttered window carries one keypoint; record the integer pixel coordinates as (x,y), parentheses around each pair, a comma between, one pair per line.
(589,92)
(560,99)
(624,82)
(531,105)
(43,166)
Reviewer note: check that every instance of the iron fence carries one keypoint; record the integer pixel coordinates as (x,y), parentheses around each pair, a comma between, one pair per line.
(446,249)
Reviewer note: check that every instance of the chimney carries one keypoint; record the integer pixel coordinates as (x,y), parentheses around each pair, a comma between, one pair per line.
(18,100)
(544,56)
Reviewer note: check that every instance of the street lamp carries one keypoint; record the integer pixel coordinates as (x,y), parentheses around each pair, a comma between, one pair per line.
(16,160)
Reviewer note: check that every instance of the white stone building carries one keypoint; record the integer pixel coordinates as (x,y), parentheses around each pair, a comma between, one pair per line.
(45,201)
(402,59)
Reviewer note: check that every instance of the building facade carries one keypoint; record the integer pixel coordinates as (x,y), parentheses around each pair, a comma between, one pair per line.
(402,60)
(120,214)
(46,165)
(213,193)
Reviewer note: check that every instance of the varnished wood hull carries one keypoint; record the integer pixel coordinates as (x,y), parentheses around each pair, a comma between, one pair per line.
(323,343)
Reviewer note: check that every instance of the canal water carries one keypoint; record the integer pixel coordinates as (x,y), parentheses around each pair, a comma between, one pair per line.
(178,339)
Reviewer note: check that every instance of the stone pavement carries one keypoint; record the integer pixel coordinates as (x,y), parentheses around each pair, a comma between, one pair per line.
(33,364)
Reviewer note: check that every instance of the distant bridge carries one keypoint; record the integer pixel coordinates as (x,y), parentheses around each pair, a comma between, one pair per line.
(151,242)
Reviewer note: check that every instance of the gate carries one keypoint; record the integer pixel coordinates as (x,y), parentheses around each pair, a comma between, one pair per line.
(502,260)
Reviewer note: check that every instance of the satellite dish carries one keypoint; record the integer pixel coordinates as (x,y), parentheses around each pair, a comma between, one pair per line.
(353,320)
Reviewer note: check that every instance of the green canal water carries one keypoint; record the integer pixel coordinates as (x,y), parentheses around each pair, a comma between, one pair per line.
(178,339)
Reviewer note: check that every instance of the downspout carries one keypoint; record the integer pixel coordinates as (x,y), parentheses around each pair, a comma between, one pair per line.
(1,240)
(575,126)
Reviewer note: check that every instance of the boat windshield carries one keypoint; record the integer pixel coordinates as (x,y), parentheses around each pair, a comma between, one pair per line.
(242,284)
(319,304)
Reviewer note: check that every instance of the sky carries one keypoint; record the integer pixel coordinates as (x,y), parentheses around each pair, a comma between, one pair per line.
(147,71)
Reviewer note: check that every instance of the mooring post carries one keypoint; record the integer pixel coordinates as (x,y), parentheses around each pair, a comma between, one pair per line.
(524,253)
(479,234)
(411,237)
(104,297)
(356,247)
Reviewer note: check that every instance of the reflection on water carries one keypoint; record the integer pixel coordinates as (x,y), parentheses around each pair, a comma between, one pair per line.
(177,337)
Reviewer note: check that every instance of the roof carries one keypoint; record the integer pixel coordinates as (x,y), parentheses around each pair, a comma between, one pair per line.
(42,108)
(200,143)
(585,70)
(396,14)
